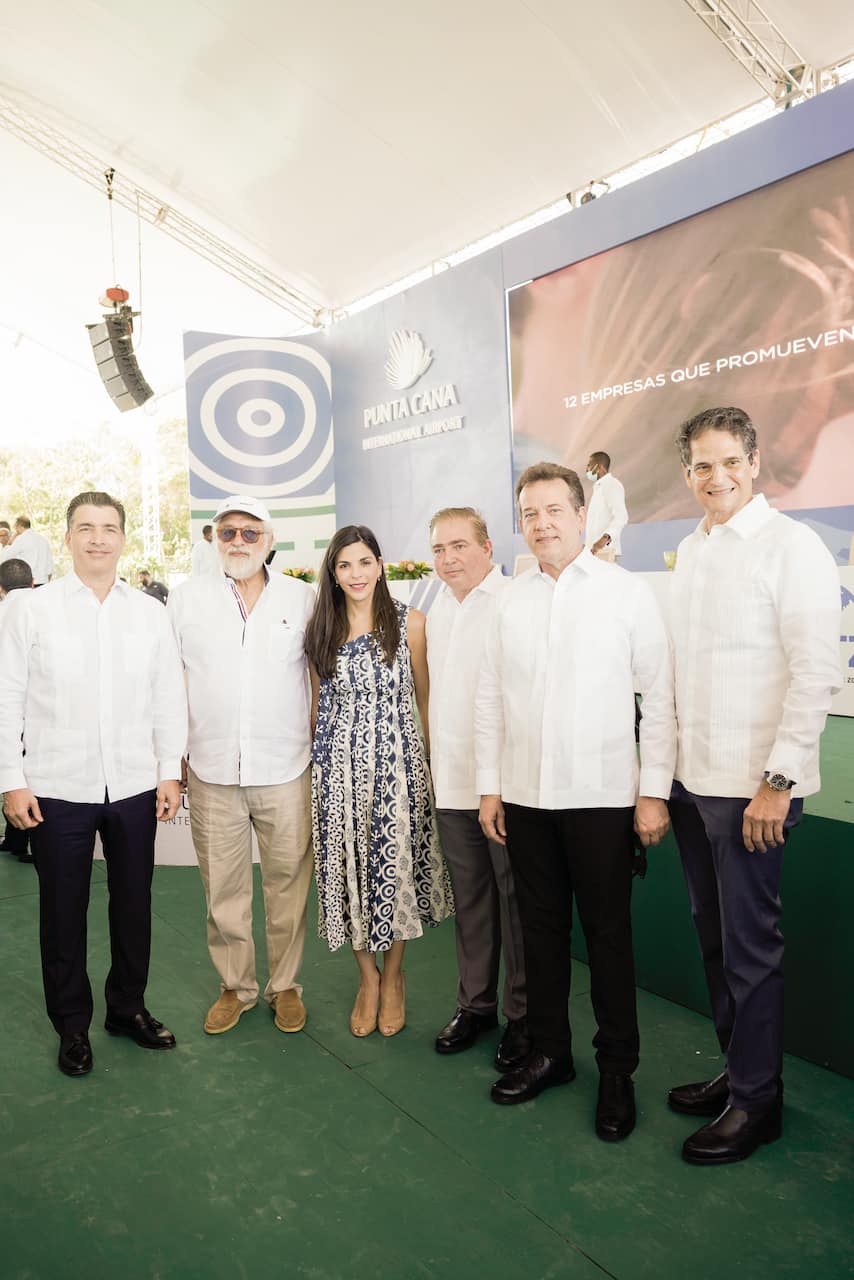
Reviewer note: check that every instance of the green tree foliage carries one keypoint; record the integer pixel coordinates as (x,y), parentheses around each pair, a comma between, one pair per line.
(40,482)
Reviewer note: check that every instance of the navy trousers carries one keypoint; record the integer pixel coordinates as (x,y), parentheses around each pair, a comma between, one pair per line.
(63,845)
(735,902)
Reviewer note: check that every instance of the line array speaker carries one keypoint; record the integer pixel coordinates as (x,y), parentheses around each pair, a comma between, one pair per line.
(112,347)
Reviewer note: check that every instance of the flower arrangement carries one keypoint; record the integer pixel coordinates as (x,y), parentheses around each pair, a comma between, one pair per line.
(407,569)
(304,575)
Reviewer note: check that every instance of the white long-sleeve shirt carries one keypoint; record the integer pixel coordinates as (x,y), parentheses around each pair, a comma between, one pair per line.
(35,549)
(247,682)
(204,559)
(457,631)
(754,617)
(607,512)
(95,688)
(555,707)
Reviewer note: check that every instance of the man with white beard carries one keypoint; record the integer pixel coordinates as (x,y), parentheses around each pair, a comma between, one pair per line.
(240,634)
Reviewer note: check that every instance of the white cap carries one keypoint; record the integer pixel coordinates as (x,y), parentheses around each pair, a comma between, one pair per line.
(242,502)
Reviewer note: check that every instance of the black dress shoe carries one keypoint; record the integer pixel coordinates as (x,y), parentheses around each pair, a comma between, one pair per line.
(145,1030)
(735,1135)
(515,1047)
(526,1082)
(706,1098)
(75,1054)
(615,1107)
(463,1029)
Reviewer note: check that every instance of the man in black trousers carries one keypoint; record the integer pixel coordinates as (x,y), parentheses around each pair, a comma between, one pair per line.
(558,776)
(15,575)
(91,680)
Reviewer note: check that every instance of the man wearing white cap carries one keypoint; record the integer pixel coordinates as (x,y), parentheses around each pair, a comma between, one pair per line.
(240,633)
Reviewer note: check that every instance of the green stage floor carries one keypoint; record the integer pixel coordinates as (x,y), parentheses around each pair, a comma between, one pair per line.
(836,798)
(255,1154)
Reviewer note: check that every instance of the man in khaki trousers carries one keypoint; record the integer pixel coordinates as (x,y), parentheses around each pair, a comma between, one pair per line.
(240,632)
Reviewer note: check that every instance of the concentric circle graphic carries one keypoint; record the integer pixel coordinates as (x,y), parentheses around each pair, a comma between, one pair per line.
(259,417)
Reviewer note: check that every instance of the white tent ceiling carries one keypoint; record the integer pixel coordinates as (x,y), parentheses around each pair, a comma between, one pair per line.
(342,145)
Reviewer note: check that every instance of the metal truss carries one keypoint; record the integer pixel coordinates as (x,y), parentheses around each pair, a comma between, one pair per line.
(47,140)
(758,45)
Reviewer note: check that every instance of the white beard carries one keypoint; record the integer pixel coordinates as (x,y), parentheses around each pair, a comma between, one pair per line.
(241,567)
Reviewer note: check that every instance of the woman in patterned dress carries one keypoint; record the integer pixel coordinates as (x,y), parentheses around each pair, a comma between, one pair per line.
(380,873)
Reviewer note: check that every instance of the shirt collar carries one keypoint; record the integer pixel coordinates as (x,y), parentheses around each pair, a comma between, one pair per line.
(752,516)
(73,584)
(585,561)
(490,585)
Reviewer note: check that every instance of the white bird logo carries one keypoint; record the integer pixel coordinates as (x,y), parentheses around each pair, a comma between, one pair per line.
(408,358)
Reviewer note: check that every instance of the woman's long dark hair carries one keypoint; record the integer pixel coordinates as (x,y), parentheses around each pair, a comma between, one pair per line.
(328,627)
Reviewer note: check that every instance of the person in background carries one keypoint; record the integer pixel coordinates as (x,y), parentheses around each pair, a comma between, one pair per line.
(487,917)
(560,782)
(205,559)
(15,575)
(5,536)
(380,875)
(606,515)
(240,633)
(91,681)
(755,615)
(152,587)
(34,548)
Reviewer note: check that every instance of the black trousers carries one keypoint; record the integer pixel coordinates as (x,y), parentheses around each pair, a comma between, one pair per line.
(582,854)
(63,845)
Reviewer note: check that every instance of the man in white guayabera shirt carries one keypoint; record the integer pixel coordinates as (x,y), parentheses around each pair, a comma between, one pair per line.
(90,677)
(607,516)
(240,633)
(487,917)
(755,615)
(557,771)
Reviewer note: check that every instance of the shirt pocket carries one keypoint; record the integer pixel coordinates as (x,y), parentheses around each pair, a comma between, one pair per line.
(286,642)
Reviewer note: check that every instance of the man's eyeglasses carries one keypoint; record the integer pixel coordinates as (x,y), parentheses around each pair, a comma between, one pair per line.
(248,535)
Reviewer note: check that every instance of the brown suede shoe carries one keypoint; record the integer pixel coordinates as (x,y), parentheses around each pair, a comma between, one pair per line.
(290,1011)
(226,1013)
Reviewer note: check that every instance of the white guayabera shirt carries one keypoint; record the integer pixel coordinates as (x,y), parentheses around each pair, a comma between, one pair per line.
(754,617)
(457,632)
(607,512)
(555,706)
(247,682)
(97,690)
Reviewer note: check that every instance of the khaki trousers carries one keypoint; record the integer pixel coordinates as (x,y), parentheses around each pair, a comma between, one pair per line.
(220,820)
(606,553)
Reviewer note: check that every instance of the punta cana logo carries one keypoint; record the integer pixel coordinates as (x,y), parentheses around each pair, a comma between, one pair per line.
(408,359)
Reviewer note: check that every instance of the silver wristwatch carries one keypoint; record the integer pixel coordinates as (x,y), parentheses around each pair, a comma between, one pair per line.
(779,781)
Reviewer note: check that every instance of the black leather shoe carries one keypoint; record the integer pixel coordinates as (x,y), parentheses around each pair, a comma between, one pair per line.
(145,1030)
(75,1054)
(526,1082)
(735,1135)
(615,1107)
(515,1047)
(706,1098)
(463,1029)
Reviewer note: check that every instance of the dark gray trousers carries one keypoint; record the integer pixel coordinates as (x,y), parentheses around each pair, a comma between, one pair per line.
(735,902)
(487,918)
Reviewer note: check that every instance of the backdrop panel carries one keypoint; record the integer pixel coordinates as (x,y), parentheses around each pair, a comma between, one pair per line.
(259,421)
(409,442)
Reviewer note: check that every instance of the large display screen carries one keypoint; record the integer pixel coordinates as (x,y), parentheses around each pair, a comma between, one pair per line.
(750,303)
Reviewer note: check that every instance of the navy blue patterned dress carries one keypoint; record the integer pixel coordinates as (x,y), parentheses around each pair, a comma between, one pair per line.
(380,873)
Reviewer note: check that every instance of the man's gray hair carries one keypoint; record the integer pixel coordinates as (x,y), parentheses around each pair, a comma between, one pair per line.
(731,419)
